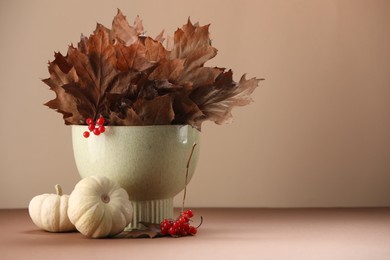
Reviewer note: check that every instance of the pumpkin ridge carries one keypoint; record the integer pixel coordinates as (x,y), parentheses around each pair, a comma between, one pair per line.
(85,221)
(107,223)
(41,215)
(87,202)
(116,215)
(119,200)
(44,213)
(57,214)
(64,219)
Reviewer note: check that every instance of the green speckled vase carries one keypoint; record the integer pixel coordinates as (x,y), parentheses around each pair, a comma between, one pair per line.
(149,162)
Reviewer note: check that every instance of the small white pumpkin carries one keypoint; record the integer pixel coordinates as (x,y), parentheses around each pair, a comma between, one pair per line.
(99,207)
(50,211)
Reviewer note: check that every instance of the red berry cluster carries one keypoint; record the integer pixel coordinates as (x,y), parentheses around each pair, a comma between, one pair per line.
(97,128)
(179,227)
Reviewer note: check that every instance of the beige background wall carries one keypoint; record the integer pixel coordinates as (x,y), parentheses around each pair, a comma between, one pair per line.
(318,133)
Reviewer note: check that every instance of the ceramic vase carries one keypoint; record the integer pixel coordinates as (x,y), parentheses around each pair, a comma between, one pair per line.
(149,162)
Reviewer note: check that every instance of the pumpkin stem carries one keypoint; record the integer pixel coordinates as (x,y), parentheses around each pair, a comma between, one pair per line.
(105,198)
(58,189)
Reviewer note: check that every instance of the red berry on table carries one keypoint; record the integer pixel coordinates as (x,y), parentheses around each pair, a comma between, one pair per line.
(176,225)
(168,221)
(183,219)
(183,232)
(192,230)
(172,231)
(185,227)
(164,231)
(167,226)
(100,121)
(96,131)
(179,227)
(189,213)
(102,129)
(86,134)
(89,121)
(91,127)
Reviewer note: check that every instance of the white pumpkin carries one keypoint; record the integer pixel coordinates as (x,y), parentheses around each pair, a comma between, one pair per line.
(49,212)
(99,207)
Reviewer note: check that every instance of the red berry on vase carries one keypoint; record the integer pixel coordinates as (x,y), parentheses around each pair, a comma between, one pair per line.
(86,134)
(100,121)
(96,131)
(91,127)
(89,121)
(102,129)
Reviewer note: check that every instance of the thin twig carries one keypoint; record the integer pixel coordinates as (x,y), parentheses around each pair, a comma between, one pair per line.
(201,222)
(188,166)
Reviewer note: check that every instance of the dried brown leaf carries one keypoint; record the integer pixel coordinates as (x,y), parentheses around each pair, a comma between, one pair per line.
(157,111)
(125,33)
(137,25)
(217,101)
(169,43)
(160,37)
(186,111)
(64,102)
(192,43)
(150,231)
(155,51)
(96,70)
(168,69)
(132,57)
(202,76)
(129,119)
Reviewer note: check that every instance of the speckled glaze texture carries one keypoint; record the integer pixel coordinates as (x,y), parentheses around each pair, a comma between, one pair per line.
(149,162)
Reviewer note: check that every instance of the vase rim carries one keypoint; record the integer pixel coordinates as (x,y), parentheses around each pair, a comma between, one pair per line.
(143,126)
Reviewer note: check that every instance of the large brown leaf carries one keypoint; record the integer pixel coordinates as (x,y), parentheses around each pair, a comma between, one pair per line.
(132,57)
(217,101)
(193,44)
(155,51)
(125,33)
(64,102)
(96,70)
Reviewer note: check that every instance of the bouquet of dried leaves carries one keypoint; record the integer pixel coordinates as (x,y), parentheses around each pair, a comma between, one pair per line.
(132,79)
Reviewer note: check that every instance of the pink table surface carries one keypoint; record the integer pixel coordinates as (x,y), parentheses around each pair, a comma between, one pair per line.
(354,233)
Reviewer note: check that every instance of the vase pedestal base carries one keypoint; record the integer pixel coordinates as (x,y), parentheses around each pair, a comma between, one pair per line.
(150,211)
